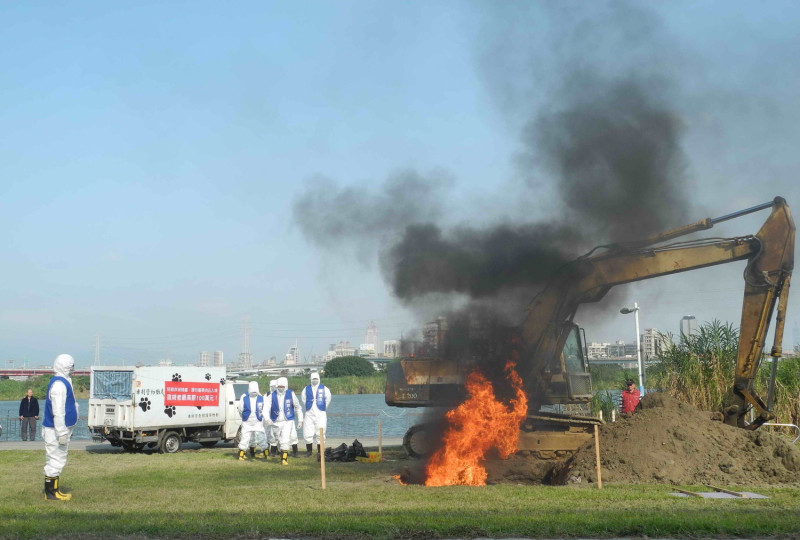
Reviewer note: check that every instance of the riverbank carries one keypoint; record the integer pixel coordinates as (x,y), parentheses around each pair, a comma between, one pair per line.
(208,493)
(91,446)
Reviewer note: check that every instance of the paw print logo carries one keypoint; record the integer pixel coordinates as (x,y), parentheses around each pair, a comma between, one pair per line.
(208,376)
(170,411)
(199,407)
(144,404)
(176,377)
(222,381)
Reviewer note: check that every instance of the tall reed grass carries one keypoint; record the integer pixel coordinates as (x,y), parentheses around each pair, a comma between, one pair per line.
(699,369)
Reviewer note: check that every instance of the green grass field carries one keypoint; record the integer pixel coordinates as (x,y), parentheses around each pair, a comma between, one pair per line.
(207,493)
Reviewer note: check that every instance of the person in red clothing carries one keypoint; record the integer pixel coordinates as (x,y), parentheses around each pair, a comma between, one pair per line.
(630,397)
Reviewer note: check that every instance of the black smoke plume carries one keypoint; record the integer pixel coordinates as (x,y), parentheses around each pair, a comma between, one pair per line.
(605,139)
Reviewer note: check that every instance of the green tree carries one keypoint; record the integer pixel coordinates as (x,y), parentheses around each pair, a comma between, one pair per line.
(349,365)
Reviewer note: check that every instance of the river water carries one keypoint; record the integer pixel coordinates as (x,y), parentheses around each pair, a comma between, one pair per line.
(348,416)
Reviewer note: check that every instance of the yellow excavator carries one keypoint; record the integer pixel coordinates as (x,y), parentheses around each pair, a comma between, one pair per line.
(553,362)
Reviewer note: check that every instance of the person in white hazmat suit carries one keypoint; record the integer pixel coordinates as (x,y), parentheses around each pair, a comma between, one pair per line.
(60,417)
(272,429)
(284,407)
(251,407)
(315,397)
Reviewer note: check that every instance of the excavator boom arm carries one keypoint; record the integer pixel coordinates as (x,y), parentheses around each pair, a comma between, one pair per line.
(770,255)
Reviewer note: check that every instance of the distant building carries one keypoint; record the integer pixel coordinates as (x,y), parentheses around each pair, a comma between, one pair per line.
(433,334)
(245,359)
(337,350)
(391,348)
(219,359)
(205,359)
(598,350)
(688,326)
(653,342)
(620,349)
(292,356)
(372,336)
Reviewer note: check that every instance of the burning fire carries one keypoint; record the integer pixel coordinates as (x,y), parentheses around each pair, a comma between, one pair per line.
(473,428)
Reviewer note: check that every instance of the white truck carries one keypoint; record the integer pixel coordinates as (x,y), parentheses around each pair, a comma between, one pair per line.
(163,407)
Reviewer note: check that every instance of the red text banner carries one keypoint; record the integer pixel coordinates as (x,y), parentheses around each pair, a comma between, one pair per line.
(193,394)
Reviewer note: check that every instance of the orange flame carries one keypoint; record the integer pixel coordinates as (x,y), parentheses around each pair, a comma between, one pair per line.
(473,428)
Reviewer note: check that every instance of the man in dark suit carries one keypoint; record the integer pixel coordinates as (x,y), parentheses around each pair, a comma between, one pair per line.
(28,415)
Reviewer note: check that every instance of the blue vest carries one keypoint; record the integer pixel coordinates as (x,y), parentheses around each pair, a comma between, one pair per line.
(246,410)
(288,406)
(320,397)
(71,411)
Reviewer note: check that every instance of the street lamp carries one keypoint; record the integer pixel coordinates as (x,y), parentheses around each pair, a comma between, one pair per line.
(635,311)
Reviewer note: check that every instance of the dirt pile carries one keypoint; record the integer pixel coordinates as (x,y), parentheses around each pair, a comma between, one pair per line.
(667,441)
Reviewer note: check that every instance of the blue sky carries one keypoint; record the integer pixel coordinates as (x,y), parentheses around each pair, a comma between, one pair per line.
(150,154)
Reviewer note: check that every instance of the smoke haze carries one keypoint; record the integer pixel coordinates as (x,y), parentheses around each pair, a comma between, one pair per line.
(608,141)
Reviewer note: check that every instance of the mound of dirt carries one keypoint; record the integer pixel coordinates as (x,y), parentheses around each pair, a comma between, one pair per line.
(668,441)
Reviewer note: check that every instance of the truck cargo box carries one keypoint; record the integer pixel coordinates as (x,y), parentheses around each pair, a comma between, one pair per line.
(136,406)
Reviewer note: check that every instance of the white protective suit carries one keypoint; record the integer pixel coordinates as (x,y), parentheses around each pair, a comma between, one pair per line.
(56,438)
(315,419)
(253,425)
(272,429)
(282,425)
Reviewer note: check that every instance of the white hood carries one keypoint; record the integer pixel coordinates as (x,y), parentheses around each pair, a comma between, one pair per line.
(63,365)
(315,375)
(253,388)
(282,381)
(273,384)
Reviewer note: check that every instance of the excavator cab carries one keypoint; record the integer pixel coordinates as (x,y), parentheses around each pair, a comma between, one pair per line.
(578,386)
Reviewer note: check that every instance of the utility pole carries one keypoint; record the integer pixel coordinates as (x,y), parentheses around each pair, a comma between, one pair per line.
(245,357)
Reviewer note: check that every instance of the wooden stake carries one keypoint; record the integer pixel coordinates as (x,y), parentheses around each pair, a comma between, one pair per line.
(597,456)
(729,492)
(322,456)
(380,437)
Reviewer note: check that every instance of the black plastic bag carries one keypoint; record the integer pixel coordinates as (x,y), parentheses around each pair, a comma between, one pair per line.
(336,454)
(355,450)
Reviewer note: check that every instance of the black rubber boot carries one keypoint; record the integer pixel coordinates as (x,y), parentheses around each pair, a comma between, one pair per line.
(273,450)
(294,450)
(319,453)
(252,451)
(309,446)
(51,492)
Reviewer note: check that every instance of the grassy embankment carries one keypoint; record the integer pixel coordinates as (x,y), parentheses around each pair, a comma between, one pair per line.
(15,390)
(208,494)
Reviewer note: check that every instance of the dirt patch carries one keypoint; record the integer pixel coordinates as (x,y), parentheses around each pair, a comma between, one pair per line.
(666,441)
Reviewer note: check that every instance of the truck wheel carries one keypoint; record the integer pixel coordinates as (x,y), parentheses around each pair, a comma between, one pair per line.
(171,443)
(417,440)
